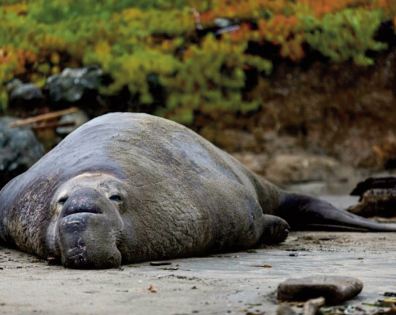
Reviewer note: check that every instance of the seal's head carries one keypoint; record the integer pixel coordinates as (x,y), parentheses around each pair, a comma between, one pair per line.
(87,226)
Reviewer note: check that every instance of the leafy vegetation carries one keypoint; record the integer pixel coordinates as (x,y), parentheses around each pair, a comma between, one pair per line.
(202,62)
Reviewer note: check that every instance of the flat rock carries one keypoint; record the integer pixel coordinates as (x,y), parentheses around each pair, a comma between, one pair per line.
(335,289)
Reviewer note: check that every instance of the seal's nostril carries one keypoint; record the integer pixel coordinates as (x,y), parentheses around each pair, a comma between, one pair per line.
(62,200)
(116,198)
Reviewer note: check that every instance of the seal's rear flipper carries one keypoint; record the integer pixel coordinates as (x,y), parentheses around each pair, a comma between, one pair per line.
(308,213)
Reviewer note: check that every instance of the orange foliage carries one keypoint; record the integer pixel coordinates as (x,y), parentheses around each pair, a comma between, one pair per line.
(322,7)
(18,57)
(389,7)
(278,19)
(17,8)
(254,8)
(283,30)
(242,9)
(242,34)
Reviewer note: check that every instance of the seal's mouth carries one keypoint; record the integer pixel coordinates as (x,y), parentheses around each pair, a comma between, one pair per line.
(70,211)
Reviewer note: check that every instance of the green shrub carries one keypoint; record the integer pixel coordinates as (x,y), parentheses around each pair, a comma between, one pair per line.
(211,77)
(345,35)
(133,40)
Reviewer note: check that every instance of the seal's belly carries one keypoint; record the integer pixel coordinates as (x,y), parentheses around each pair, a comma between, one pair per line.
(218,215)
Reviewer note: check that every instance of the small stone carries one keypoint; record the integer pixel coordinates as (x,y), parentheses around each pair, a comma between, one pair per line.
(335,289)
(51,260)
(152,289)
(263,266)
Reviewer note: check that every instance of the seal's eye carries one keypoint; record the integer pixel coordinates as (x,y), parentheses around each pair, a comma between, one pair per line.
(116,198)
(62,200)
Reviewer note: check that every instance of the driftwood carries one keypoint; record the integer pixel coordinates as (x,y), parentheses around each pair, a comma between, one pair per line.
(41,120)
(53,125)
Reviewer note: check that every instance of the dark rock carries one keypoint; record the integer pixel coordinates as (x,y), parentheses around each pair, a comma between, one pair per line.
(19,149)
(24,95)
(388,182)
(335,289)
(74,85)
(377,197)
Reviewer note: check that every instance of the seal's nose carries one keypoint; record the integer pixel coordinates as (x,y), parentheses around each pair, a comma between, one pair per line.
(82,201)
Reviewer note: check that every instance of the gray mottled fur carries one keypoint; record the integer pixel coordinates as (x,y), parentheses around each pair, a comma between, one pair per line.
(186,196)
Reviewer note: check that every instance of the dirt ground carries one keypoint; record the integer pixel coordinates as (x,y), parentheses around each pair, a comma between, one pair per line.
(232,283)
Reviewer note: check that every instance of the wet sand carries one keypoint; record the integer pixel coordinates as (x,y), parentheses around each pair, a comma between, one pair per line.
(232,283)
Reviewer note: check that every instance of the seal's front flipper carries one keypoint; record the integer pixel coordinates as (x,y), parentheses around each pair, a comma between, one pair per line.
(275,230)
(308,213)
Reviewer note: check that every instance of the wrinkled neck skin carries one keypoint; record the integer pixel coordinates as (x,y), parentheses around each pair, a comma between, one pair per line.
(86,222)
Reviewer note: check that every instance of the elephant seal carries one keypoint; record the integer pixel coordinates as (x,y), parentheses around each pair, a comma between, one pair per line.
(126,188)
